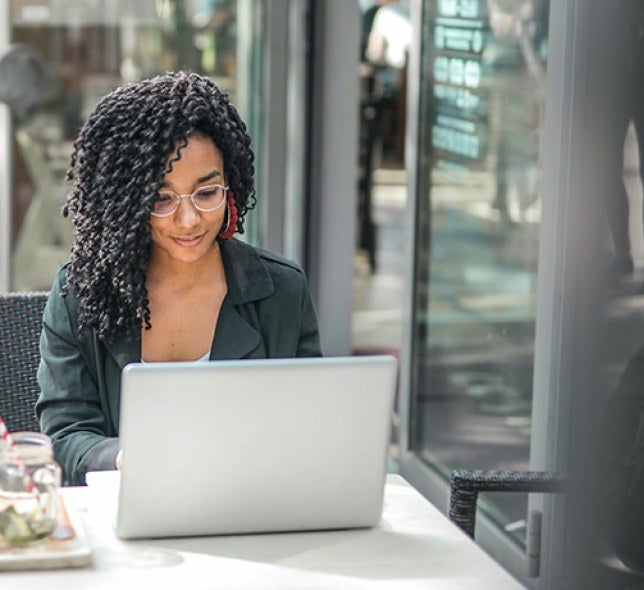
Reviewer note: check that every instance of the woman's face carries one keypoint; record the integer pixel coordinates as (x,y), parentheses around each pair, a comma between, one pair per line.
(187,235)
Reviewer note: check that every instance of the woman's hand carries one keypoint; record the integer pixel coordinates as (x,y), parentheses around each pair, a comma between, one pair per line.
(119,459)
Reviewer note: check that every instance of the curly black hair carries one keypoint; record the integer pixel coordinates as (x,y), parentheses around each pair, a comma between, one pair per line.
(117,166)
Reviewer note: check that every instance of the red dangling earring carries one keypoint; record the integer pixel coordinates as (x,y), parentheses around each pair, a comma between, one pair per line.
(231,218)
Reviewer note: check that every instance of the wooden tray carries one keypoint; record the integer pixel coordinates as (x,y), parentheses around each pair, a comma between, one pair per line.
(66,548)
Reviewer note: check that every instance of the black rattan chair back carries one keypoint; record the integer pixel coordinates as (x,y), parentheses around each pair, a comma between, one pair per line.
(466,485)
(20,326)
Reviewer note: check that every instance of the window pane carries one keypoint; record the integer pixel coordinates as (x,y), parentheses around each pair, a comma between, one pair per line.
(90,48)
(482,105)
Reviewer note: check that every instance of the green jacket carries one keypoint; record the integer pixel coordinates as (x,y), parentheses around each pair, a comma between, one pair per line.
(267,313)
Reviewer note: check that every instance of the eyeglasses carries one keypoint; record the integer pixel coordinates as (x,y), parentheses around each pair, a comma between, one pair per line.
(205,198)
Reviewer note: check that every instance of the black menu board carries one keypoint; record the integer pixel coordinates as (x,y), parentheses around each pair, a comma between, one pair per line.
(460,32)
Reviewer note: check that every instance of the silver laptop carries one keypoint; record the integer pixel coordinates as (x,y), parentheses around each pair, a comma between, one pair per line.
(231,447)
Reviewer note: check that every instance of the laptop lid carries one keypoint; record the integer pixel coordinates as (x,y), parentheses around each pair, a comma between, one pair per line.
(249,446)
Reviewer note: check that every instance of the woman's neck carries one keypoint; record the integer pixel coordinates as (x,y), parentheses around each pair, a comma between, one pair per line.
(181,276)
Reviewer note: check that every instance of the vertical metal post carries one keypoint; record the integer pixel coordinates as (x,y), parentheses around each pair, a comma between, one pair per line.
(412,167)
(250,39)
(333,161)
(296,133)
(6,161)
(244,59)
(275,137)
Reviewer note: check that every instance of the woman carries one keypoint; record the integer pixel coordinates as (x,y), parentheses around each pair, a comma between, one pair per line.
(162,178)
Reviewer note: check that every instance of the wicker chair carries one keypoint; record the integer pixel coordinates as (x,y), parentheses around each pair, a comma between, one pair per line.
(20,326)
(466,486)
(609,571)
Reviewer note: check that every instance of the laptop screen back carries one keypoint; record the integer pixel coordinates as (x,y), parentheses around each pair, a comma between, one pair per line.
(254,446)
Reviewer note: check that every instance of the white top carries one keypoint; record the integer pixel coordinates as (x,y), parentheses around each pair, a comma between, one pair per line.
(414,547)
(203,359)
(390,36)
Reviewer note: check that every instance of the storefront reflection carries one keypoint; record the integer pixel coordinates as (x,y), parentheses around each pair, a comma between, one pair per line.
(475,317)
(88,49)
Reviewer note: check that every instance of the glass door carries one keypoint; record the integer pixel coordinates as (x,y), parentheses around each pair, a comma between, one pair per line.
(88,48)
(478,212)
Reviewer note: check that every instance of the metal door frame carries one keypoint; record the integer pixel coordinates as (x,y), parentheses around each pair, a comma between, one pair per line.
(556,292)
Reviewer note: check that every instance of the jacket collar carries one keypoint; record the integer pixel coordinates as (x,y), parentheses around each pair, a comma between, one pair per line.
(248,280)
(247,277)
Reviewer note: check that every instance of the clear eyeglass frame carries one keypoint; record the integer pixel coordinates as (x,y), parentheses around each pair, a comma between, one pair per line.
(177,199)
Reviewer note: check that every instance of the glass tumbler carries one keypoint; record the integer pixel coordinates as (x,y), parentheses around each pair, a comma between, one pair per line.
(30,481)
